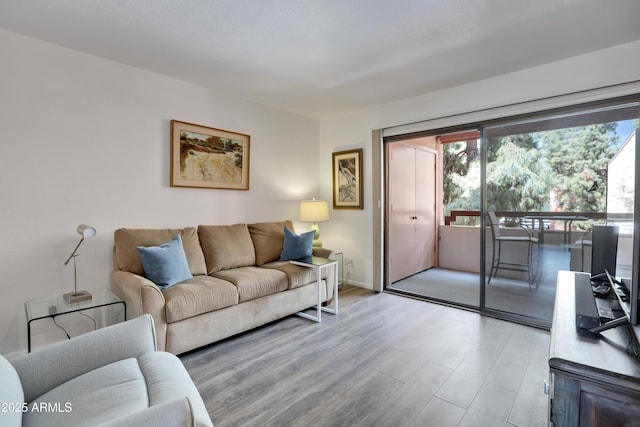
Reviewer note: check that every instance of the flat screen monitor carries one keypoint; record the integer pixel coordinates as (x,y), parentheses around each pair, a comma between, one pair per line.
(604,251)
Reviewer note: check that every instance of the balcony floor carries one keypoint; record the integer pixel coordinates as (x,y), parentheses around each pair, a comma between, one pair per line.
(504,294)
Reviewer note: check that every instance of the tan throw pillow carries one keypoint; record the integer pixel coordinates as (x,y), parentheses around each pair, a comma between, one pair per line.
(126,240)
(268,239)
(226,246)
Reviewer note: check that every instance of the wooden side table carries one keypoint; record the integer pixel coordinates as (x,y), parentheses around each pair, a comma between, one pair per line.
(50,307)
(318,264)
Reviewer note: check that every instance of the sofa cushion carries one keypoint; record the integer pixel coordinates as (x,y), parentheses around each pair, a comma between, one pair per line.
(268,240)
(199,295)
(255,282)
(226,246)
(167,264)
(116,390)
(296,246)
(126,241)
(296,274)
(11,395)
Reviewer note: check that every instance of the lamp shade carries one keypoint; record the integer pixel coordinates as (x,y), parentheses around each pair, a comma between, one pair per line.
(86,231)
(314,210)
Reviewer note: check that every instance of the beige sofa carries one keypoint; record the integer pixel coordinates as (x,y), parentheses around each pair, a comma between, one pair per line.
(238,282)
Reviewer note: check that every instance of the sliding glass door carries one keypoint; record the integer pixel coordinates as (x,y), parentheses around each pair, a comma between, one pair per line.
(515,201)
(546,180)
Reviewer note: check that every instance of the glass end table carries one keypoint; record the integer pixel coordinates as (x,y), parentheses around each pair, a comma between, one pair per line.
(50,307)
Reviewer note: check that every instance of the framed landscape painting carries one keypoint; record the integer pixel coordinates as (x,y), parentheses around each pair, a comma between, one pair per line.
(209,158)
(347,179)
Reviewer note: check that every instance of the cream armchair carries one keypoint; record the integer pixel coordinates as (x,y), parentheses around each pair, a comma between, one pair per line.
(111,377)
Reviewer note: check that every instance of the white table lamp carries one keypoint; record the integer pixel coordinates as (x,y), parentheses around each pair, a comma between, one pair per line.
(314,211)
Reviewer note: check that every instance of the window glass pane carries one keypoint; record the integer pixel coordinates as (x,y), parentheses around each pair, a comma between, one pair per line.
(542,177)
(546,181)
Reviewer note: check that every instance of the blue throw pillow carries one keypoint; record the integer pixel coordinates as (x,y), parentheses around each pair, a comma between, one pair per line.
(295,246)
(165,265)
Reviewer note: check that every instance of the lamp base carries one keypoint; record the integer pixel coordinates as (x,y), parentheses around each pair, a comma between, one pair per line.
(73,297)
(317,243)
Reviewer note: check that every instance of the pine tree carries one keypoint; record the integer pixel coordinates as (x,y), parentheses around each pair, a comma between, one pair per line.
(517,178)
(556,170)
(578,159)
(458,159)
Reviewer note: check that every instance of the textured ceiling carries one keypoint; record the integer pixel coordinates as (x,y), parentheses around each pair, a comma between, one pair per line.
(324,57)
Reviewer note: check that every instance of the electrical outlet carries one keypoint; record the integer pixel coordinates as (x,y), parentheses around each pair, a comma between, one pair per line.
(348,262)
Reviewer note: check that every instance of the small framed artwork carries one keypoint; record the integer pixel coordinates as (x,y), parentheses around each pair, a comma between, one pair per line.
(209,158)
(347,179)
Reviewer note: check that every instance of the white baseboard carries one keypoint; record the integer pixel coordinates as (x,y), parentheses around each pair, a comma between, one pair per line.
(359,284)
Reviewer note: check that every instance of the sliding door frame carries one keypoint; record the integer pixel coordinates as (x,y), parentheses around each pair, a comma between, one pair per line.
(570,105)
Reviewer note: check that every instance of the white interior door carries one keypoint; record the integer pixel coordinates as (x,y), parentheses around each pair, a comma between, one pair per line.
(401,253)
(411,225)
(425,213)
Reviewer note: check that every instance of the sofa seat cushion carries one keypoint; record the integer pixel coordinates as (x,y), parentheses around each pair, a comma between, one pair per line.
(297,275)
(116,390)
(268,240)
(199,295)
(255,282)
(127,240)
(226,246)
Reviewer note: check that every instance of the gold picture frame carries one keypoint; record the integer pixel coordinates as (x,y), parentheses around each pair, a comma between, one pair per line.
(204,157)
(347,179)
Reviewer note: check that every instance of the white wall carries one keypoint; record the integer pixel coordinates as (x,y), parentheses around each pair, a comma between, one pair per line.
(85,140)
(351,231)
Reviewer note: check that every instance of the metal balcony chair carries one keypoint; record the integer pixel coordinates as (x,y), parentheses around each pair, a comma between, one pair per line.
(498,238)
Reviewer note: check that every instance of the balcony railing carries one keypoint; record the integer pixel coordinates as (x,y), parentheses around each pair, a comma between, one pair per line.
(527,217)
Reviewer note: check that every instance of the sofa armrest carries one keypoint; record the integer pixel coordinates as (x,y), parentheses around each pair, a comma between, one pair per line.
(140,293)
(324,253)
(142,297)
(177,413)
(46,369)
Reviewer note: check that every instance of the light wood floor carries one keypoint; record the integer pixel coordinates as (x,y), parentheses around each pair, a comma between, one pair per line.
(385,360)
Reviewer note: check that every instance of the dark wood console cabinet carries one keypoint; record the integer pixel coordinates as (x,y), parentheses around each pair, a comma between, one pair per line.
(594,379)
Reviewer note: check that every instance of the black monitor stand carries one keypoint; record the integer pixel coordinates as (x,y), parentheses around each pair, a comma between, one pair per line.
(610,325)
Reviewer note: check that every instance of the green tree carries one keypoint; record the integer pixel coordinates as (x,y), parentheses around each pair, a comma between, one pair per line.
(524,141)
(461,179)
(517,178)
(556,170)
(578,159)
(458,158)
